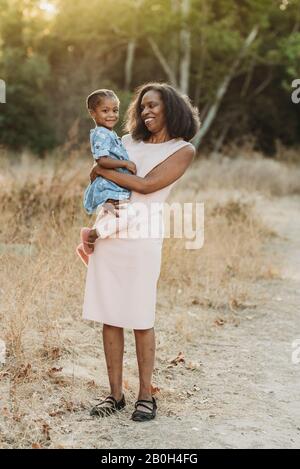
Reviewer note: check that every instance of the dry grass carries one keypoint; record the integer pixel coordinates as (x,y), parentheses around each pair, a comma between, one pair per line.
(219,275)
(53,367)
(267,176)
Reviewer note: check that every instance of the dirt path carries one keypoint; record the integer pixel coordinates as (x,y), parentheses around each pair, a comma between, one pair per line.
(245,391)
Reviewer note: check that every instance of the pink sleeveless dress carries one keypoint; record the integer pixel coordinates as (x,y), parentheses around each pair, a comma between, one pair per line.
(122,274)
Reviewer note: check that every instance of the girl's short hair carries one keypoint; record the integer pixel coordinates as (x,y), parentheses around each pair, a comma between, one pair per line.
(182,118)
(94,99)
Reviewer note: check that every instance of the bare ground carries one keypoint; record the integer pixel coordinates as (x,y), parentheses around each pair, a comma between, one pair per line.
(237,386)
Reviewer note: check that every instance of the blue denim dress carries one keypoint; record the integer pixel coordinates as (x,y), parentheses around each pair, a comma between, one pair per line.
(105,142)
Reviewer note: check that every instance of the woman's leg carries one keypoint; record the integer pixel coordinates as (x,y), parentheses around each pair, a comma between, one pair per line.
(113,341)
(145,350)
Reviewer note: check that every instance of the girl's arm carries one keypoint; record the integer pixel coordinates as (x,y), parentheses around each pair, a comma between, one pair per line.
(160,176)
(110,163)
(106,162)
(101,144)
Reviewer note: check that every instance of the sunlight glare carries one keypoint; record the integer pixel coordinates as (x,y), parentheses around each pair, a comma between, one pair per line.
(48,7)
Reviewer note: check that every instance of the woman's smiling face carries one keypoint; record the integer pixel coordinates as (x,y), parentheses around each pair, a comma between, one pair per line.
(152,111)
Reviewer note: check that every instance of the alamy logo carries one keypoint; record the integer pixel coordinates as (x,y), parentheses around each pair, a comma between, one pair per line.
(2,92)
(2,352)
(296,93)
(158,220)
(296,352)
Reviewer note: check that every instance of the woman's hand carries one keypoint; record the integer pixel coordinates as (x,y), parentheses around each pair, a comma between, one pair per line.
(96,171)
(112,206)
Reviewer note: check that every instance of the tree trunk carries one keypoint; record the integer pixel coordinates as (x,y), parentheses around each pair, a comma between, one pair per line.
(185,48)
(202,55)
(174,42)
(2,92)
(171,65)
(166,67)
(222,90)
(131,46)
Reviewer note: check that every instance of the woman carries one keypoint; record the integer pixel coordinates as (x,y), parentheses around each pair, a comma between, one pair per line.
(123,272)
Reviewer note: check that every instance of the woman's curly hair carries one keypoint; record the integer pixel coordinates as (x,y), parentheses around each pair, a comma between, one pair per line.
(182,118)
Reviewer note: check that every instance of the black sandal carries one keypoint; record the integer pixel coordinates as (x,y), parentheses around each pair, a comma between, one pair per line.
(106,410)
(140,415)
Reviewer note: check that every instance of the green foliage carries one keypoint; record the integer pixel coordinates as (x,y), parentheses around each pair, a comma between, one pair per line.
(51,62)
(25,119)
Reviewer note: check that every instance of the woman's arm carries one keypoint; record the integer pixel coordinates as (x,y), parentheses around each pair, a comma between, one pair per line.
(160,176)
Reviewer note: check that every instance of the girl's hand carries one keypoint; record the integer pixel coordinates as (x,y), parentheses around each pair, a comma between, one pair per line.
(130,165)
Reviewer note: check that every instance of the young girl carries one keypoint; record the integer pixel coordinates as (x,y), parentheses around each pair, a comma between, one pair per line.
(108,152)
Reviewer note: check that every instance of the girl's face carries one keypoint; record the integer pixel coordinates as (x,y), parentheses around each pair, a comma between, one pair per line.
(152,111)
(106,113)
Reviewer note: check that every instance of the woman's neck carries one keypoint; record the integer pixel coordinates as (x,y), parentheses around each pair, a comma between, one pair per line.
(159,137)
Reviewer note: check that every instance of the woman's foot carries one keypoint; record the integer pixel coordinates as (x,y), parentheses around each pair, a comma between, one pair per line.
(83,256)
(145,409)
(108,406)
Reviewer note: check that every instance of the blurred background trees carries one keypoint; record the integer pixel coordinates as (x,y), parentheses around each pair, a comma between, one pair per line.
(236,59)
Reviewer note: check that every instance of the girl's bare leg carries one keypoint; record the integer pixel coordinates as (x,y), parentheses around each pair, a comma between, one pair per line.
(92,238)
(110,206)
